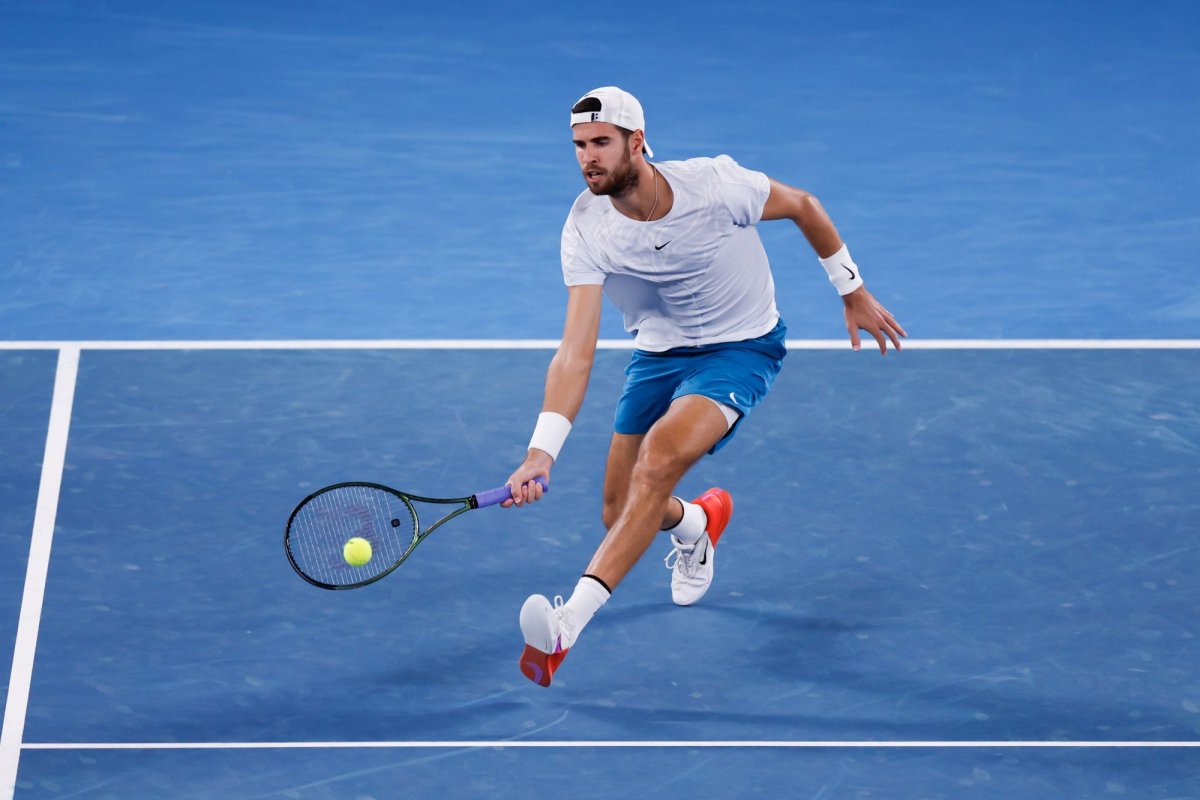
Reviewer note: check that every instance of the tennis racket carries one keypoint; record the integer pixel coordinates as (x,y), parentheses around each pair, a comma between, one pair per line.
(327,519)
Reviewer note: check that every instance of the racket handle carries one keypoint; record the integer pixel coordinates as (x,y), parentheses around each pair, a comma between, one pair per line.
(498,495)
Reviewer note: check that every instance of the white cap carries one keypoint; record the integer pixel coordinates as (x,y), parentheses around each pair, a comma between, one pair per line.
(618,107)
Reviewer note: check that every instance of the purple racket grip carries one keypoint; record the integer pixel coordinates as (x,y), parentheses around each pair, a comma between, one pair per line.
(498,495)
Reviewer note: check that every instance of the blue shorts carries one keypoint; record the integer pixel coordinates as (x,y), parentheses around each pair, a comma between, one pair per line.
(735,374)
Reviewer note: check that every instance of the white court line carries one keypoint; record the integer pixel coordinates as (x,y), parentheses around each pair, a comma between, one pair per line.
(603,344)
(35,573)
(592,744)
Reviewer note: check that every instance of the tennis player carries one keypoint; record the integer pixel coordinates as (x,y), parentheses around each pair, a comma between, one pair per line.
(674,246)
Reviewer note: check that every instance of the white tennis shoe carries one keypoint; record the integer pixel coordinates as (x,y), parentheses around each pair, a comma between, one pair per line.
(691,570)
(692,565)
(549,632)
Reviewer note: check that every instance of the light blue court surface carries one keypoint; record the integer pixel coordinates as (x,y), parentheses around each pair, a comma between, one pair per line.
(952,573)
(258,170)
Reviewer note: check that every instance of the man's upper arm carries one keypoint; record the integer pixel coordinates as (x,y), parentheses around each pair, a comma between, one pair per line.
(582,326)
(783,202)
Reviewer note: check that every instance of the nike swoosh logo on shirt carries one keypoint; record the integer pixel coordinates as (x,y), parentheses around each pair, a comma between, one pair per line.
(664,244)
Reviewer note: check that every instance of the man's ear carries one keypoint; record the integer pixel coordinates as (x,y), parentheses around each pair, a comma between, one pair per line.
(637,140)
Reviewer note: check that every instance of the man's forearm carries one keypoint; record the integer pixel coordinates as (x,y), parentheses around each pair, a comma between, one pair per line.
(566,384)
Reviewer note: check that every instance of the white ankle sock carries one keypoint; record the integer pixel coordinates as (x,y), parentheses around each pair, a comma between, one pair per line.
(585,601)
(691,527)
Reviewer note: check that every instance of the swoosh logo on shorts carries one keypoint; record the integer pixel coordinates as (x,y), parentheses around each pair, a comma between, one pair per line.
(664,244)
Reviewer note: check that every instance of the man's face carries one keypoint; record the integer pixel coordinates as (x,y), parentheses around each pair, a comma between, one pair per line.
(603,151)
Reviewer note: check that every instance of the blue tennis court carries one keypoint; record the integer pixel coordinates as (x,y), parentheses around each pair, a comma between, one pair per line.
(251,250)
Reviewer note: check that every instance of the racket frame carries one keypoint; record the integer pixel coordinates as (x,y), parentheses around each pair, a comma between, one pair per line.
(468,504)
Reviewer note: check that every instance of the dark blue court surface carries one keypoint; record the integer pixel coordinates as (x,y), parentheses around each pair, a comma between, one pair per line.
(25,382)
(596,774)
(943,546)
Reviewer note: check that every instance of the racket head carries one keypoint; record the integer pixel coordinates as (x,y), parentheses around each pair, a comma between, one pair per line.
(318,529)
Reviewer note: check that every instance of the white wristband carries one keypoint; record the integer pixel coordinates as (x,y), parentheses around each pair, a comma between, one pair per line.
(843,272)
(550,433)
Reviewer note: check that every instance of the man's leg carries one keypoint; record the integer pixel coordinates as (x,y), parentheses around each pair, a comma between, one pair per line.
(689,429)
(622,456)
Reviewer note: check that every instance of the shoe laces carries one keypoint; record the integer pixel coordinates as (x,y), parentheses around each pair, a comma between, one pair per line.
(682,555)
(566,623)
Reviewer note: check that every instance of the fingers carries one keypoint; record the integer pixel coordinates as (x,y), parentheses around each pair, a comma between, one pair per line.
(891,327)
(881,333)
(529,492)
(881,325)
(875,331)
(878,334)
(863,312)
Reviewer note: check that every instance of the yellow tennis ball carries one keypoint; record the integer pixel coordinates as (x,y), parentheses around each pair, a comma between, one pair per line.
(357,551)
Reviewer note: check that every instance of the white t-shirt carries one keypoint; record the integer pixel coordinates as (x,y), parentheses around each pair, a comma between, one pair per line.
(697,276)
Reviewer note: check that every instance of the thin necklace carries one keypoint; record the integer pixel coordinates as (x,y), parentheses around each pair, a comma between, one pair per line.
(651,214)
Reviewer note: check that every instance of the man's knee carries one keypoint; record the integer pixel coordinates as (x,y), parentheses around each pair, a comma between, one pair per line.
(609,514)
(659,467)
(613,503)
(655,470)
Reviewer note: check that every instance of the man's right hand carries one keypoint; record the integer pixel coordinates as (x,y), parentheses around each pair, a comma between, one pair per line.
(524,488)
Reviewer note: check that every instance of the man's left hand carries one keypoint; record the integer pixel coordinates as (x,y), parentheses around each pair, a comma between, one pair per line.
(864,312)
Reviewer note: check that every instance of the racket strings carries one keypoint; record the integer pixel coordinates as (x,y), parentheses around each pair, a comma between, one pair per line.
(320,528)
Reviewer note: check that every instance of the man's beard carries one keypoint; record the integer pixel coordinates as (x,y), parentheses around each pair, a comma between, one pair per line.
(622,180)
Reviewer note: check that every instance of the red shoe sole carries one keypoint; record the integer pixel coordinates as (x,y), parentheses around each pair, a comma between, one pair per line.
(718,507)
(538,666)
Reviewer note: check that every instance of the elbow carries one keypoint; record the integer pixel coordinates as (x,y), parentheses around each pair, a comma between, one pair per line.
(800,206)
(570,363)
(808,206)
(810,215)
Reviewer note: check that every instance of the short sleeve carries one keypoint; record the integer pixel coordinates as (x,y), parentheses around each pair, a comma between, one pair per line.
(744,191)
(579,269)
